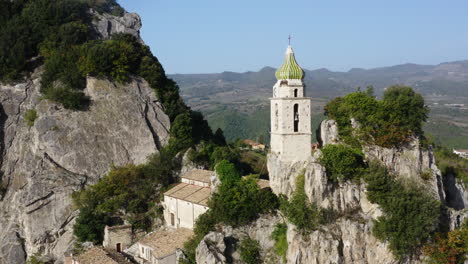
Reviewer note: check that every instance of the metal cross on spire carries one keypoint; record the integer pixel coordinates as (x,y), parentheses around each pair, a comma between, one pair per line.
(289,39)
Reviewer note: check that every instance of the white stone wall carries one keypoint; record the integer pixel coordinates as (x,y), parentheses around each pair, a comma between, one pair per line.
(170,206)
(289,144)
(198,210)
(114,236)
(185,213)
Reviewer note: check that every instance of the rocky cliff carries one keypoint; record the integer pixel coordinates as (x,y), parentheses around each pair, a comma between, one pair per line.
(63,150)
(349,239)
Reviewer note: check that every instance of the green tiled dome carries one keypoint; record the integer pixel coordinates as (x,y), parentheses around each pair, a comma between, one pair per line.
(290,69)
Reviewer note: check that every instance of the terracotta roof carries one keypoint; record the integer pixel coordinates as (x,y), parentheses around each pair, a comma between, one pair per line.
(165,242)
(190,193)
(198,175)
(99,255)
(251,142)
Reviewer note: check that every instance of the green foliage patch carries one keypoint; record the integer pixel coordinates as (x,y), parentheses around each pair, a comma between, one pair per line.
(129,193)
(30,116)
(342,162)
(250,251)
(390,122)
(411,216)
(451,247)
(299,210)
(238,201)
(281,241)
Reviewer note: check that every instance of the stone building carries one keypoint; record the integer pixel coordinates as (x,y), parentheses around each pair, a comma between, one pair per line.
(117,237)
(290,113)
(188,199)
(160,247)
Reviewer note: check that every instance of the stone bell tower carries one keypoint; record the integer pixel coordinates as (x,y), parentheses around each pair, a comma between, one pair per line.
(290,113)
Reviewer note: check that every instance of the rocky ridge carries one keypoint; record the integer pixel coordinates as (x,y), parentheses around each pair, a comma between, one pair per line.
(349,239)
(41,165)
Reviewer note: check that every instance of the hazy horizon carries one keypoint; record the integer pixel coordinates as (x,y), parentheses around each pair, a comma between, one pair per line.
(212,36)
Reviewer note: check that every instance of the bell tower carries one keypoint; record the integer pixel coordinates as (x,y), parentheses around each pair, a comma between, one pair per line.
(290,113)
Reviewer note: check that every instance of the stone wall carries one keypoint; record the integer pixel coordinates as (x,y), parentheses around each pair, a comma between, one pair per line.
(118,235)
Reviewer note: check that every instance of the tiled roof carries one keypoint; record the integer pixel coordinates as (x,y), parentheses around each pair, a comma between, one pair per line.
(198,175)
(165,242)
(190,193)
(99,255)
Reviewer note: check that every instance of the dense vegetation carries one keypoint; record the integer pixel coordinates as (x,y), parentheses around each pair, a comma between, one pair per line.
(25,25)
(249,251)
(125,193)
(390,122)
(450,248)
(238,201)
(342,162)
(281,240)
(411,216)
(299,210)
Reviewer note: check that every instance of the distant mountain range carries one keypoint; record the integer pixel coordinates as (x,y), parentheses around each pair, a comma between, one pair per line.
(238,102)
(449,78)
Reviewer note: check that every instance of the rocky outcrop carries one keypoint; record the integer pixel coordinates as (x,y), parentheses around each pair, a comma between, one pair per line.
(349,239)
(62,152)
(220,247)
(328,132)
(106,25)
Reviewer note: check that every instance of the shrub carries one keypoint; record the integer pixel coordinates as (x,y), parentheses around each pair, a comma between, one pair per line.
(298,210)
(35,259)
(250,251)
(30,116)
(129,192)
(281,242)
(411,216)
(240,202)
(342,162)
(450,248)
(227,172)
(390,122)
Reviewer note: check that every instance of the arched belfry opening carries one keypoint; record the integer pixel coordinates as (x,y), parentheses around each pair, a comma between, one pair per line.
(296,117)
(295,92)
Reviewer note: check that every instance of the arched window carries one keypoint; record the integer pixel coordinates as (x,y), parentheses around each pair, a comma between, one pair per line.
(295,92)
(296,117)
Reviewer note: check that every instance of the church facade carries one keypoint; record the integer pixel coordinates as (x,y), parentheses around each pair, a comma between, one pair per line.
(290,113)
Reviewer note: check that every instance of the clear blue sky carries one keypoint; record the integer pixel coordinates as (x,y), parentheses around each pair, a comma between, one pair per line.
(204,36)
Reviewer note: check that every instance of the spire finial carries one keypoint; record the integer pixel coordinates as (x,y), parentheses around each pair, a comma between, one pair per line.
(289,39)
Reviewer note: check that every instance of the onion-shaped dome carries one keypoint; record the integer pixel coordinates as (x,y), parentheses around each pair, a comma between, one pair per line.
(290,69)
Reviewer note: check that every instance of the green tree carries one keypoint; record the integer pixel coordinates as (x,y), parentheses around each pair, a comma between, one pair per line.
(411,216)
(181,132)
(342,162)
(250,251)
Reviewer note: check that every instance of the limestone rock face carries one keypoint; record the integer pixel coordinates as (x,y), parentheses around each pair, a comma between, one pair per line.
(329,132)
(63,151)
(349,239)
(220,247)
(106,25)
